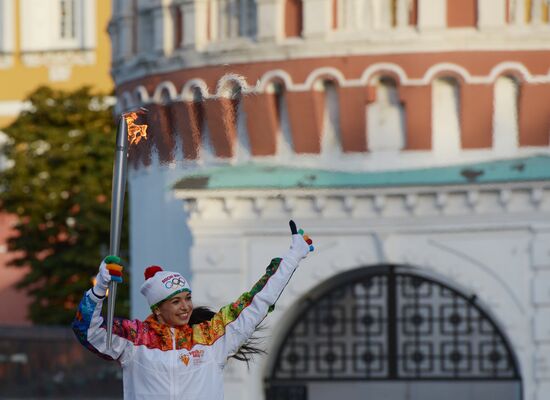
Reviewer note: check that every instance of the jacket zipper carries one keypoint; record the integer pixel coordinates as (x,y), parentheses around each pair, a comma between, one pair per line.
(174,365)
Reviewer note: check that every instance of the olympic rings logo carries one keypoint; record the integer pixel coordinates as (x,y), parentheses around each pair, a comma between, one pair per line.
(175,282)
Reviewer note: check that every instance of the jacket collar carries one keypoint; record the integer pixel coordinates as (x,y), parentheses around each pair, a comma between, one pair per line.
(184,334)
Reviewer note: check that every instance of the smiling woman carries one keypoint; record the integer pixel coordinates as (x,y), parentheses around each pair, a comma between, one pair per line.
(179,351)
(175,311)
(175,305)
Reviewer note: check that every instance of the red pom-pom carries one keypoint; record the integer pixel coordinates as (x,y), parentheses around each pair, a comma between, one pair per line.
(151,271)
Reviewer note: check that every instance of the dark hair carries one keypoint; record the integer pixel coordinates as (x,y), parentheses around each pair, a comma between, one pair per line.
(246,351)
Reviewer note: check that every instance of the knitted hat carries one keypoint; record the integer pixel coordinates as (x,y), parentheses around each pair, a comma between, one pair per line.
(160,285)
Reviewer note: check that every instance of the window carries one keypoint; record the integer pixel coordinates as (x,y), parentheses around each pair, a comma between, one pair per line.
(386,118)
(242,145)
(446,117)
(146,32)
(247,18)
(505,116)
(7,27)
(330,136)
(177,16)
(205,148)
(67,19)
(135,26)
(284,137)
(57,25)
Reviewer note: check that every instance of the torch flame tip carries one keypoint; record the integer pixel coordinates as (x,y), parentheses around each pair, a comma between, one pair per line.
(135,132)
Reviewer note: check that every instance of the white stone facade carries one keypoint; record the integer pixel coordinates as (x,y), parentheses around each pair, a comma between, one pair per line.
(492,240)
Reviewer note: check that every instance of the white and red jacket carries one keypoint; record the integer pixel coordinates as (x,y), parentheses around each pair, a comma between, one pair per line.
(186,362)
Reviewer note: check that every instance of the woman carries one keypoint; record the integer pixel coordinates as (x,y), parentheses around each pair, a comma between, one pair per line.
(166,357)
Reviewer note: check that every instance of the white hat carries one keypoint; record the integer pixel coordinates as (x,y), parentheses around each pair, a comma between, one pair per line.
(160,285)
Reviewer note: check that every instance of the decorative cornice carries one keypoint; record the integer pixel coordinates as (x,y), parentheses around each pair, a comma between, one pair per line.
(243,50)
(6,60)
(399,202)
(58,57)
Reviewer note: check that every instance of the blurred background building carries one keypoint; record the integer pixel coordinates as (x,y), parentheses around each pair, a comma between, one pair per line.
(410,138)
(63,44)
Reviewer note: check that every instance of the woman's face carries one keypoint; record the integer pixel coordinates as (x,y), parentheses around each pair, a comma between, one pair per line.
(175,311)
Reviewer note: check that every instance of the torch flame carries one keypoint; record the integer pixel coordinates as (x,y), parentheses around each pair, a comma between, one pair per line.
(135,132)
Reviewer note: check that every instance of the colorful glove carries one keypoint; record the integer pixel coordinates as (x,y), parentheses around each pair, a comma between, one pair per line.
(110,269)
(301,244)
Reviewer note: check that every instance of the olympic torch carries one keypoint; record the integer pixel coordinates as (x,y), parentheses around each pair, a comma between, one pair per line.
(127,133)
(120,168)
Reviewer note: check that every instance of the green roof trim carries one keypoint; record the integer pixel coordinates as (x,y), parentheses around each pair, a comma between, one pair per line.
(256,176)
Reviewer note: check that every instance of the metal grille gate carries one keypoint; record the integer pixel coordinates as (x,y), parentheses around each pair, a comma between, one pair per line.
(390,323)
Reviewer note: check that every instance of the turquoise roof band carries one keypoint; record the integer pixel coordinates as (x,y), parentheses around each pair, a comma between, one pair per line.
(257,176)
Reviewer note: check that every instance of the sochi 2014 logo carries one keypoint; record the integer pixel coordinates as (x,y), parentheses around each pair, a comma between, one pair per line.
(174,281)
(194,355)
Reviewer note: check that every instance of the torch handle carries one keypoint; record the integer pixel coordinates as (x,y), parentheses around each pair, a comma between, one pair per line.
(117,211)
(110,312)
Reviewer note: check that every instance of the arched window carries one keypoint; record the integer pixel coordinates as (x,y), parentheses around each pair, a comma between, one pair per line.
(285,147)
(206,150)
(386,118)
(446,117)
(505,116)
(159,120)
(392,332)
(242,145)
(330,136)
(165,97)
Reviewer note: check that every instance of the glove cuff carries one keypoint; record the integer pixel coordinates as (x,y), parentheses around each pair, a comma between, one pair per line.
(292,258)
(100,287)
(95,298)
(99,291)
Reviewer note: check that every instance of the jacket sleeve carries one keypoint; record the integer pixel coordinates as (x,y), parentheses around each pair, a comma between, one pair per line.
(91,332)
(235,323)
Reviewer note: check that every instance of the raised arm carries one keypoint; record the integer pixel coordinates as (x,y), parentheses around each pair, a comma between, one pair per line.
(235,323)
(88,324)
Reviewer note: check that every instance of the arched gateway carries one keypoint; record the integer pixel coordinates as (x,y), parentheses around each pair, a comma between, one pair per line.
(393,333)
